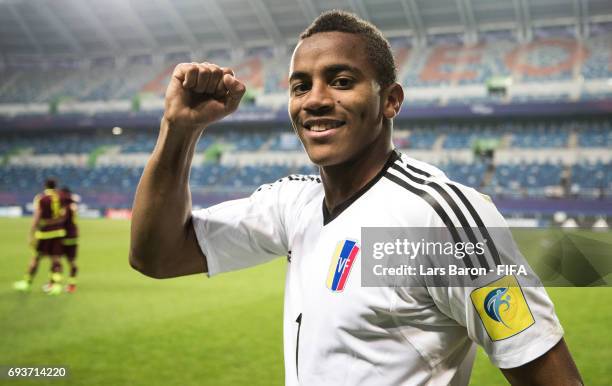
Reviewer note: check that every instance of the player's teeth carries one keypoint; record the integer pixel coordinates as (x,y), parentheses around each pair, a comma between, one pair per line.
(325,126)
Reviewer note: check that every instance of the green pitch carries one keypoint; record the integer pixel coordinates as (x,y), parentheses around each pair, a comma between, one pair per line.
(121,328)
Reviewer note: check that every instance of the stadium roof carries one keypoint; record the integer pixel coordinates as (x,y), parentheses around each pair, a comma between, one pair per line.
(88,28)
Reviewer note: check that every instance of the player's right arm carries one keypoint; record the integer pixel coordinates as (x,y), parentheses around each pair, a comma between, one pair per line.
(163,241)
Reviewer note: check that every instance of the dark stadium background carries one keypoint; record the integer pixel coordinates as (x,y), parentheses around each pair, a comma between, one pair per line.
(513,98)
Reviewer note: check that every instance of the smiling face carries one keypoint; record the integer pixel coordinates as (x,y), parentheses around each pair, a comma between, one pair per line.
(335,104)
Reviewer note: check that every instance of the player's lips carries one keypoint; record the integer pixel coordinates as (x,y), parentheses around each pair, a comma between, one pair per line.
(322,124)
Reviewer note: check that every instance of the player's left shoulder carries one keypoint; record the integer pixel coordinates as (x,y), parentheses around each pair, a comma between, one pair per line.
(436,187)
(425,174)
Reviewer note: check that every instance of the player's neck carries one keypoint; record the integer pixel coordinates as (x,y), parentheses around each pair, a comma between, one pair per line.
(342,181)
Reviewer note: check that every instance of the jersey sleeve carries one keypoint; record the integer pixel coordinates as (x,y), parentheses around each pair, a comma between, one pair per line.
(514,323)
(242,233)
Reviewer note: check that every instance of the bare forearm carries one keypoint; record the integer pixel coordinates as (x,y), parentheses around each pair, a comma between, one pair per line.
(163,242)
(162,205)
(556,367)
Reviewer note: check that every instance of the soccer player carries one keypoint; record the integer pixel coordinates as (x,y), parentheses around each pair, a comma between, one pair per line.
(70,242)
(46,234)
(342,100)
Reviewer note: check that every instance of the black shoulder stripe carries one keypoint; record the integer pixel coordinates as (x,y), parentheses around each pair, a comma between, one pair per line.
(417,171)
(475,216)
(478,220)
(454,207)
(436,207)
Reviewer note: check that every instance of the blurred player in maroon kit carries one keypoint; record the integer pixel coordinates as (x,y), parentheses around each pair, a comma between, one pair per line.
(70,242)
(46,235)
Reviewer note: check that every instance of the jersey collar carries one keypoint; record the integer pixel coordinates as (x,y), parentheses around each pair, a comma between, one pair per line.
(330,216)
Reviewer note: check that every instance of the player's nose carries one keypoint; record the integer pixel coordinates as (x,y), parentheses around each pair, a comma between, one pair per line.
(319,99)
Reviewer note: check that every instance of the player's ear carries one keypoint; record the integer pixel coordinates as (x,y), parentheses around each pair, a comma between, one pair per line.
(394,96)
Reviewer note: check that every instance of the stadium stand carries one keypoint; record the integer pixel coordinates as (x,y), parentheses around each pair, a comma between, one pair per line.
(541,136)
(458,137)
(531,155)
(591,179)
(577,69)
(598,134)
(470,174)
(105,168)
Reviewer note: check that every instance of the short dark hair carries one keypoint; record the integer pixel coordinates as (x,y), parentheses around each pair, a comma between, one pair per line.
(50,183)
(377,46)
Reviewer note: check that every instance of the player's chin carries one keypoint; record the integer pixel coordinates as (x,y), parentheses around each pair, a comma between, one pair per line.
(323,155)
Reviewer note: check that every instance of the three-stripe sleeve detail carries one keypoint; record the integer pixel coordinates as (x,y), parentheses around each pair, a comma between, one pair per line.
(406,169)
(436,207)
(473,213)
(452,204)
(479,223)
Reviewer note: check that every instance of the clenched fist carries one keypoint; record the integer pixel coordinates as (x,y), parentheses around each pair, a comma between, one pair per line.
(200,94)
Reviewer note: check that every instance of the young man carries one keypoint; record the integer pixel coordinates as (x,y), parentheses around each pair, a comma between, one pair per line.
(343,98)
(70,241)
(46,234)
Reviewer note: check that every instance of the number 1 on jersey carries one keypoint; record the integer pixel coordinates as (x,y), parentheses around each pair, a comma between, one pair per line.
(297,342)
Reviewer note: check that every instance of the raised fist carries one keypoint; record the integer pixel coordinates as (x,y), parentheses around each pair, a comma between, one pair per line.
(200,94)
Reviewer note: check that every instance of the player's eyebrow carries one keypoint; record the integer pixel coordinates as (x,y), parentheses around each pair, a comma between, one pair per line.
(332,69)
(336,68)
(297,75)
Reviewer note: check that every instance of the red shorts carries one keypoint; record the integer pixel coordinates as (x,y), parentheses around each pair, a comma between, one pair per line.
(50,247)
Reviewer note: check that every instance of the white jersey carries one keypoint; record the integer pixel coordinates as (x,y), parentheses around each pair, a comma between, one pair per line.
(338,332)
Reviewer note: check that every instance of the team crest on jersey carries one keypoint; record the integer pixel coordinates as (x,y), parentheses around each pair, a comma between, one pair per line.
(502,307)
(341,263)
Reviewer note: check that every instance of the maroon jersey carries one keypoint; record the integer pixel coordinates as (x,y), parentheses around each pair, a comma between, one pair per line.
(51,222)
(69,205)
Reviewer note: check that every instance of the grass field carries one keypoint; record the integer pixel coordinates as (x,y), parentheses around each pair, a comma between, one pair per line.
(121,328)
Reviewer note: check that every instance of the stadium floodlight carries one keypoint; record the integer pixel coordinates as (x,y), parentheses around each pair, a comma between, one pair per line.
(117,130)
